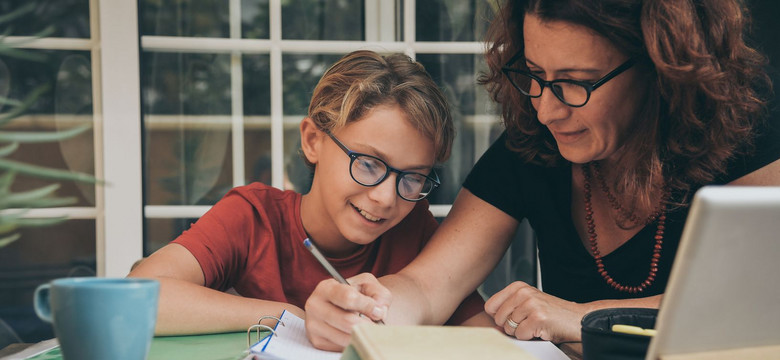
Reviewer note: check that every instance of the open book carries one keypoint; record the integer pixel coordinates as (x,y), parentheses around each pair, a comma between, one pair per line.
(388,342)
(376,342)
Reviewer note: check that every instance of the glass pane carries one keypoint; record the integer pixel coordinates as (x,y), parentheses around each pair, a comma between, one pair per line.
(65,79)
(186,104)
(300,75)
(255,19)
(257,84)
(297,175)
(257,154)
(452,20)
(323,20)
(197,18)
(41,255)
(301,72)
(159,232)
(471,110)
(257,119)
(67,18)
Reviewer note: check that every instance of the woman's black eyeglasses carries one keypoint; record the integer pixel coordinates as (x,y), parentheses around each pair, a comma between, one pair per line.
(370,170)
(574,93)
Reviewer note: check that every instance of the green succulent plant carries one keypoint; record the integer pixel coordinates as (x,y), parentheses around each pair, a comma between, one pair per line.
(14,205)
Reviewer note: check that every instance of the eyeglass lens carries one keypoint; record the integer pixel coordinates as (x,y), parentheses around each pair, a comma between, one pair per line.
(370,171)
(570,93)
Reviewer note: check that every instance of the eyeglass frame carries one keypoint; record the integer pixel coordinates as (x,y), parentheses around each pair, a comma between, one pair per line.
(353,155)
(588,86)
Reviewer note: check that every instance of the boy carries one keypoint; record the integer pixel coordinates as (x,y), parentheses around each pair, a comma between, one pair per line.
(376,128)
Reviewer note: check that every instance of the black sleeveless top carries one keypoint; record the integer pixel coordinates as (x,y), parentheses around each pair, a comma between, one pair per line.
(543,196)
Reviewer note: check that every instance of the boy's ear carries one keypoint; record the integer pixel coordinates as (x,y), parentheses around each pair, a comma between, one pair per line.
(311,140)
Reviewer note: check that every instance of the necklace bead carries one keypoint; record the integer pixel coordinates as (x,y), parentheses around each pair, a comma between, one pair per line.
(659,215)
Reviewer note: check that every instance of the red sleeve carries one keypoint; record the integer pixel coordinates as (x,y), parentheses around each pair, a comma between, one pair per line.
(471,306)
(215,240)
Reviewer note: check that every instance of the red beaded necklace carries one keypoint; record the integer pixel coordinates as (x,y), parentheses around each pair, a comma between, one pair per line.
(592,237)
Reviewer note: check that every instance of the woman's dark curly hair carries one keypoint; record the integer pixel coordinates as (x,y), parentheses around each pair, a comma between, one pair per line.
(701,77)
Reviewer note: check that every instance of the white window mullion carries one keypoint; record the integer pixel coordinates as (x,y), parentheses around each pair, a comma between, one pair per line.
(277,111)
(372,20)
(29,42)
(97,123)
(237,97)
(410,36)
(380,20)
(121,119)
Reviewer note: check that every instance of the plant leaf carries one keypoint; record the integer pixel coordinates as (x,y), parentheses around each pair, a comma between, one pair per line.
(7,227)
(39,137)
(10,217)
(8,149)
(35,199)
(28,101)
(21,53)
(30,194)
(44,172)
(29,7)
(9,239)
(35,222)
(47,202)
(7,101)
(5,181)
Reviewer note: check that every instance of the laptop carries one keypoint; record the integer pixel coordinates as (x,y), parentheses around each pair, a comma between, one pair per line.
(724,288)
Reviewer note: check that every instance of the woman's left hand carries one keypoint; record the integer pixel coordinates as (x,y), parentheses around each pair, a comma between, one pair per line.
(536,314)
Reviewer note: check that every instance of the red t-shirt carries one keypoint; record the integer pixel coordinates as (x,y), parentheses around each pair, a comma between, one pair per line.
(252,241)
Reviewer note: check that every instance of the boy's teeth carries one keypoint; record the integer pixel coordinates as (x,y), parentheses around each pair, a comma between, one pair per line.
(368,216)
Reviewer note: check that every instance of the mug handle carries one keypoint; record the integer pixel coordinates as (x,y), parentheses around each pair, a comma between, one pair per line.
(41,302)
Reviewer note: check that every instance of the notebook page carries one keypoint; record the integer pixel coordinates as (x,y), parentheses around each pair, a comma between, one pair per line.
(291,343)
(542,350)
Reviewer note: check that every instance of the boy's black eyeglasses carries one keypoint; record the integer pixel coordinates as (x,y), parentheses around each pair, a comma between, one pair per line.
(574,93)
(370,170)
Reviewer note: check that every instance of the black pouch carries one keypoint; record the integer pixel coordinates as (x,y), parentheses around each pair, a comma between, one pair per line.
(600,343)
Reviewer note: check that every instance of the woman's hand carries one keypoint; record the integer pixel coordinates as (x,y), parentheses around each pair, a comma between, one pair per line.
(537,315)
(334,308)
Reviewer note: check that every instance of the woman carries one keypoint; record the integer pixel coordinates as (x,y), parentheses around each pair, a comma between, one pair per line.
(616,112)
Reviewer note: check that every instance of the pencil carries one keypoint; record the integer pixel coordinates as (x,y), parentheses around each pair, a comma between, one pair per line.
(328,267)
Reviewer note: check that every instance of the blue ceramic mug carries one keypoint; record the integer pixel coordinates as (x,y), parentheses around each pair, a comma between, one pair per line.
(100,318)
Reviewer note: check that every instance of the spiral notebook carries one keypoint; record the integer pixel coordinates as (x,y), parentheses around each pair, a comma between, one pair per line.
(288,341)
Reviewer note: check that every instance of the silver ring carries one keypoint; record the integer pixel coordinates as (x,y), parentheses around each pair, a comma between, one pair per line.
(511,323)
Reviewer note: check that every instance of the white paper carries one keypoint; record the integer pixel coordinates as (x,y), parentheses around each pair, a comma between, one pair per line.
(542,350)
(290,342)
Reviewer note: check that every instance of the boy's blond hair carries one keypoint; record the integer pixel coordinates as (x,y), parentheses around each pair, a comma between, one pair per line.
(363,80)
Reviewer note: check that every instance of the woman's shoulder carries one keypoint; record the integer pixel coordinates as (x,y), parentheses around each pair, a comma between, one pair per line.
(505,180)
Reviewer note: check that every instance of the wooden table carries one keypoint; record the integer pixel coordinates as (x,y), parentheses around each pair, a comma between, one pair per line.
(572,350)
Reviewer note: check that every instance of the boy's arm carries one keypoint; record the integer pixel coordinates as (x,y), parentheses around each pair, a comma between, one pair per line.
(186,306)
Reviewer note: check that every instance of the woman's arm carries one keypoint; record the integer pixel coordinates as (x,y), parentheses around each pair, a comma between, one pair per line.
(768,175)
(186,306)
(460,255)
(464,249)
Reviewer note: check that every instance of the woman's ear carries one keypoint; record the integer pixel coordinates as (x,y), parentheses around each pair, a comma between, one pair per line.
(311,140)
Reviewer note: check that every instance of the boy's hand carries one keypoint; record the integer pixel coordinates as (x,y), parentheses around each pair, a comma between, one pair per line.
(333,309)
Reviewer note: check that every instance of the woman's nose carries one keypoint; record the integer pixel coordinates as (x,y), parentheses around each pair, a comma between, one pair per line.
(549,108)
